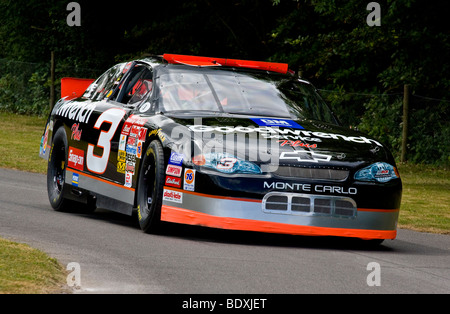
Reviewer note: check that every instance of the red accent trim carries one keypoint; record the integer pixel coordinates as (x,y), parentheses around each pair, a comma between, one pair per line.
(74,87)
(190,217)
(209,61)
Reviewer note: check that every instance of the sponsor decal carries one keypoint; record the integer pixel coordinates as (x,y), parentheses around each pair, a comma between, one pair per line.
(130,166)
(301,187)
(122,142)
(226,163)
(121,156)
(76,158)
(304,156)
(139,150)
(145,107)
(131,158)
(142,134)
(173,170)
(136,120)
(45,139)
(380,172)
(126,128)
(296,144)
(132,120)
(159,133)
(131,150)
(282,133)
(79,112)
(121,167)
(75,179)
(277,123)
(132,141)
(76,132)
(176,159)
(173,196)
(189,180)
(173,181)
(128,179)
(134,132)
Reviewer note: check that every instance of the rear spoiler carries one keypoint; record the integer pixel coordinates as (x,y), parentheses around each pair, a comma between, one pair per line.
(72,87)
(208,61)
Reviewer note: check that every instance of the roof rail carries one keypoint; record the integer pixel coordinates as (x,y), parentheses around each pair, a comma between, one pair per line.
(209,61)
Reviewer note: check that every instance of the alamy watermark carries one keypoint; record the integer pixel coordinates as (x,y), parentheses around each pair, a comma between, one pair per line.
(73,279)
(374,277)
(74,17)
(374,17)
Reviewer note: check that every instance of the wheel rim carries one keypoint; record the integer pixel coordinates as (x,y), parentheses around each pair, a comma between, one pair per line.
(58,170)
(149,184)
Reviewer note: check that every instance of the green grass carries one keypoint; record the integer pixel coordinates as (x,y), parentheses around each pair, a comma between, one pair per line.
(426,199)
(20,138)
(24,270)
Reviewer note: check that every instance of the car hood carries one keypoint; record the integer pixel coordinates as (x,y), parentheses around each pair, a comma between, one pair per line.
(278,141)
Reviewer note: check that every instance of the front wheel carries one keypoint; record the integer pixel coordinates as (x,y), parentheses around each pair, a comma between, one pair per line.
(150,188)
(56,171)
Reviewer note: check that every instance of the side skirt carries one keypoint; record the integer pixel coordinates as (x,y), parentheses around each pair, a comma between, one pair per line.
(108,195)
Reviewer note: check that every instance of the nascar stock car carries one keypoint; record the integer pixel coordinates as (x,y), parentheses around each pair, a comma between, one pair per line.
(223,143)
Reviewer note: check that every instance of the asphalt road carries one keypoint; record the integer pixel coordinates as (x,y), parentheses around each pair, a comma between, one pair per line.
(116,257)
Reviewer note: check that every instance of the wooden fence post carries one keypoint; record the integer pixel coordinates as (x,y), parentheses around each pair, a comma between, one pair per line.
(406,93)
(52,80)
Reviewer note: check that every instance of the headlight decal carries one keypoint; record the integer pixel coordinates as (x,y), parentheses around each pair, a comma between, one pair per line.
(227,163)
(378,172)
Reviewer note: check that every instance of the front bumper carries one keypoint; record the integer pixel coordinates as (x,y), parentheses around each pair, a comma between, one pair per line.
(248,214)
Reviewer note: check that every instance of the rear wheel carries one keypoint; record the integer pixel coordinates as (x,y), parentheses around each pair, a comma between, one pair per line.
(150,188)
(56,171)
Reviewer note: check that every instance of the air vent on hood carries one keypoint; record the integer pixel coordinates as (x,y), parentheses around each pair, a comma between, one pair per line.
(312,173)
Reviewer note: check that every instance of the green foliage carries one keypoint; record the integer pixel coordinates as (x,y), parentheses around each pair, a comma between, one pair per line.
(429,139)
(24,88)
(383,120)
(360,70)
(331,44)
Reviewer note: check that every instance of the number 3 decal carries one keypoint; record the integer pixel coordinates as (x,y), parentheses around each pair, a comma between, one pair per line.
(96,163)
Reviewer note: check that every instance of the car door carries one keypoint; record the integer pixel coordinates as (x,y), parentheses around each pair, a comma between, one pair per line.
(112,147)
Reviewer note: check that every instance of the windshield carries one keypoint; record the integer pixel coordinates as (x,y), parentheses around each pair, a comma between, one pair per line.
(240,93)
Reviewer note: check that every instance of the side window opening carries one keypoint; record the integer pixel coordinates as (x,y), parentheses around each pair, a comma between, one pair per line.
(104,86)
(141,88)
(136,86)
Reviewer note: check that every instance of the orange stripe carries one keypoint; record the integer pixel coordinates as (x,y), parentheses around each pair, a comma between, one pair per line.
(190,217)
(99,179)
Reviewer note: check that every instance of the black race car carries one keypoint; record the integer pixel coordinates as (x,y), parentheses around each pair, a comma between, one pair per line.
(224,143)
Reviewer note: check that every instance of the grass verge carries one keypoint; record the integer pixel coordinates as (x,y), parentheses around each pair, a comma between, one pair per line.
(20,138)
(426,199)
(24,270)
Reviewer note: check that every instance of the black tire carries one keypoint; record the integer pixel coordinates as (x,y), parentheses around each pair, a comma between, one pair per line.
(150,188)
(56,172)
